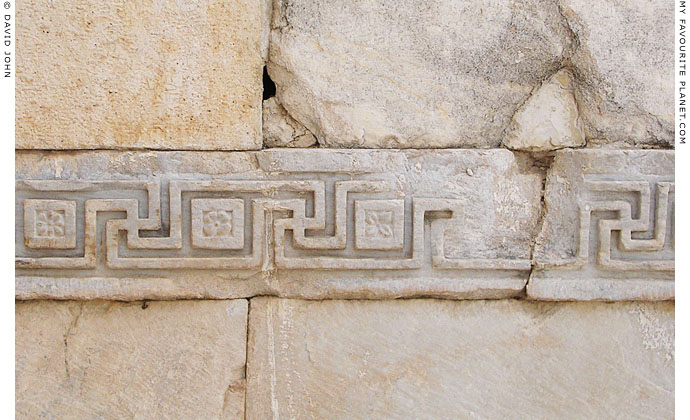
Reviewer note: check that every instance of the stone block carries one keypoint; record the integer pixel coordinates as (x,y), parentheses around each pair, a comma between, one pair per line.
(625,83)
(310,223)
(103,360)
(608,231)
(393,74)
(138,74)
(430,359)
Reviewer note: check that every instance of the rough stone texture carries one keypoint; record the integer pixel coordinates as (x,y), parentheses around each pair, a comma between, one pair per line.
(608,231)
(97,360)
(281,130)
(625,82)
(137,74)
(394,74)
(426,359)
(306,223)
(549,120)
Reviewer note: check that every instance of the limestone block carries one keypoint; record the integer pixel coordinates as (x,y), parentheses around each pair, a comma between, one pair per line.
(393,74)
(608,231)
(430,359)
(98,360)
(281,130)
(625,83)
(549,120)
(138,74)
(291,222)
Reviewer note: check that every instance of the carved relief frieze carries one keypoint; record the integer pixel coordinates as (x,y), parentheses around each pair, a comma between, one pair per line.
(295,223)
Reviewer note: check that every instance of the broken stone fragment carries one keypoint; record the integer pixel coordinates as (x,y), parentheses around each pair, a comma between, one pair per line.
(281,130)
(549,120)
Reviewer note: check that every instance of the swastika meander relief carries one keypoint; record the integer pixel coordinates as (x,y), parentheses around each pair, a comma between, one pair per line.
(309,223)
(608,232)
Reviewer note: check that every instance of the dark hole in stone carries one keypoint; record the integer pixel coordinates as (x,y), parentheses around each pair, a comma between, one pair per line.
(269,86)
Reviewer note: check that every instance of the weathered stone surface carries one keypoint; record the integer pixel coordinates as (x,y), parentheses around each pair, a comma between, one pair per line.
(427,359)
(113,74)
(394,74)
(307,223)
(549,120)
(625,82)
(281,130)
(96,360)
(608,231)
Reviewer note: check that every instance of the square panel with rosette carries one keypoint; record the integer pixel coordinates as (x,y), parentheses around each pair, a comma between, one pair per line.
(379,224)
(50,224)
(218,223)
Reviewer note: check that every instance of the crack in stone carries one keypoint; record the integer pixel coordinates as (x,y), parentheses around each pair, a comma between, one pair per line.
(65,340)
(542,217)
(572,35)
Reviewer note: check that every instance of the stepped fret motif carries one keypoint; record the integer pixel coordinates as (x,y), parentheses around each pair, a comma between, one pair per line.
(643,241)
(238,225)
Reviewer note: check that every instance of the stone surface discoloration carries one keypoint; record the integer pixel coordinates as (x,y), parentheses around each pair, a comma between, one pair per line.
(427,359)
(394,74)
(608,230)
(312,223)
(140,74)
(160,360)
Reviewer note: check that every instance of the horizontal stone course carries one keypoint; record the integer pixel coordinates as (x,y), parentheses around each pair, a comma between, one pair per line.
(345,224)
(180,360)
(304,223)
(427,359)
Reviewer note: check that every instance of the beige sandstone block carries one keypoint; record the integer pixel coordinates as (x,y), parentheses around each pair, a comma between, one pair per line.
(549,120)
(181,360)
(310,223)
(427,359)
(140,74)
(609,228)
(396,74)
